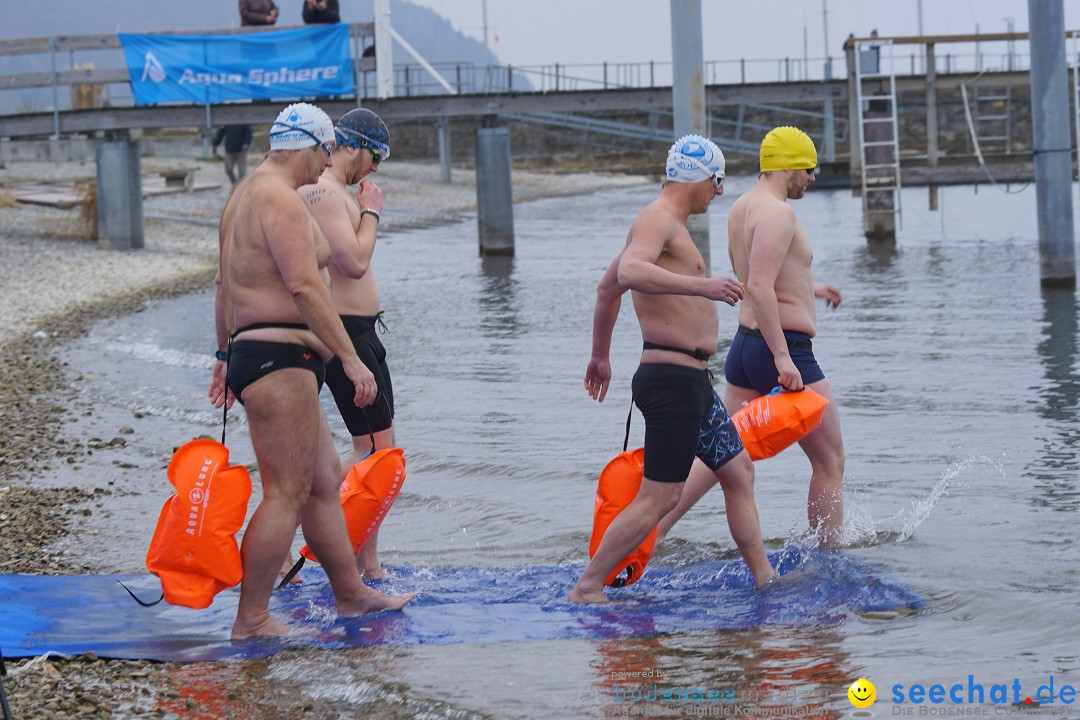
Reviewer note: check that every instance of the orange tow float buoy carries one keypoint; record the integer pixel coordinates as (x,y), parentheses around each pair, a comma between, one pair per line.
(367,493)
(194,550)
(766,426)
(770,423)
(619,483)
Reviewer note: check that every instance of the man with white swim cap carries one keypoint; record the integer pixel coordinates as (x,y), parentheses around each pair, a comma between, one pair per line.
(771,254)
(276,327)
(684,418)
(350,225)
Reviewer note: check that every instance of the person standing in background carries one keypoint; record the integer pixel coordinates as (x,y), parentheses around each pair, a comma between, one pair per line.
(318,12)
(258,12)
(237,141)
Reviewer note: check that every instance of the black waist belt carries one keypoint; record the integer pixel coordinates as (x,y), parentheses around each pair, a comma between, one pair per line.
(696,353)
(796,343)
(263,325)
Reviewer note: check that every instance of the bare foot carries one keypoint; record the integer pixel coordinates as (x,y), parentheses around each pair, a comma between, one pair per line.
(787,578)
(266,627)
(582,597)
(768,580)
(373,601)
(285,568)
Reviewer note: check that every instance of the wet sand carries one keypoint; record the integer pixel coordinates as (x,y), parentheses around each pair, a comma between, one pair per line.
(54,284)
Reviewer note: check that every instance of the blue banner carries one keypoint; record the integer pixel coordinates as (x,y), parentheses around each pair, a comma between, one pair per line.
(209,69)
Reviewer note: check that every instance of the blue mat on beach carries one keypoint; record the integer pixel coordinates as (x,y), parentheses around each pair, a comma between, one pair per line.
(75,614)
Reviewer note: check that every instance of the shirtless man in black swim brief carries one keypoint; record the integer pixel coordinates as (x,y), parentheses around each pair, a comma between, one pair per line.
(271,288)
(684,419)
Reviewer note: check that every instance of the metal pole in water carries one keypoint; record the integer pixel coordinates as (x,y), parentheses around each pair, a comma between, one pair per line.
(494,199)
(1052,144)
(119,194)
(688,94)
(444,149)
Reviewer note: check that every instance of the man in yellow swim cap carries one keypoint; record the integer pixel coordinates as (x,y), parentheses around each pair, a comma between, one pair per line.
(675,303)
(771,254)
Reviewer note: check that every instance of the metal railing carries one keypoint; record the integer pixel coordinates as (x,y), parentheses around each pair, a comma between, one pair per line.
(57,67)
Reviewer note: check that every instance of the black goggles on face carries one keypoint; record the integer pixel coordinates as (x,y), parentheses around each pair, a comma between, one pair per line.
(355,139)
(327,147)
(716,177)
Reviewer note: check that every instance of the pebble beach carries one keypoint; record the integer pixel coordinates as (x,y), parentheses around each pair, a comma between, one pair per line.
(55,282)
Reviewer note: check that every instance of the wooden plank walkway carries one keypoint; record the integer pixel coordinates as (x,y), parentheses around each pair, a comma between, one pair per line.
(65,195)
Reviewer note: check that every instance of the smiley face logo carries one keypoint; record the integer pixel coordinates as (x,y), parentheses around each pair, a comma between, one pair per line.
(862,693)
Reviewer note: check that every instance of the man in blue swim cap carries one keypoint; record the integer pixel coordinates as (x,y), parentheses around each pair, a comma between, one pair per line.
(684,419)
(351,225)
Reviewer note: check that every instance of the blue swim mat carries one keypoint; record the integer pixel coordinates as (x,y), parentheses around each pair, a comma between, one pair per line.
(75,614)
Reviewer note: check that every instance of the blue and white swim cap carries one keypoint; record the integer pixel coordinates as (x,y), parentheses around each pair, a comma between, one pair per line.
(694,158)
(300,126)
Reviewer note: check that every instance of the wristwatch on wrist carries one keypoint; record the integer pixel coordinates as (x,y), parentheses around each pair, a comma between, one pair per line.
(221,355)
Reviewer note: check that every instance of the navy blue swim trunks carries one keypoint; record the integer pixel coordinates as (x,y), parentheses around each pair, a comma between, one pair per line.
(251,360)
(750,363)
(684,419)
(380,414)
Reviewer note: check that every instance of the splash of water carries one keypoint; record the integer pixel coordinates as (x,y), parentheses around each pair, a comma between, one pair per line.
(952,481)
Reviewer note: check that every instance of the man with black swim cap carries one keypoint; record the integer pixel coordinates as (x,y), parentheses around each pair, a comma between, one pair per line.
(674,301)
(350,225)
(276,327)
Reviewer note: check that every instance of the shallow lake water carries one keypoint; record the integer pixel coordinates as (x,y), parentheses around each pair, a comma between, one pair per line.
(958,388)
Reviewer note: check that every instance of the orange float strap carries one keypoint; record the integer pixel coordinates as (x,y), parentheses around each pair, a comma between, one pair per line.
(770,423)
(619,483)
(194,550)
(368,491)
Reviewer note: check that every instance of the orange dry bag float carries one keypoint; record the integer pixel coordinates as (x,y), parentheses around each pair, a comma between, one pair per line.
(194,550)
(619,483)
(367,493)
(766,426)
(770,423)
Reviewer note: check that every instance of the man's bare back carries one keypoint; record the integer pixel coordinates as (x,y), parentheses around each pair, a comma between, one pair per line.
(764,228)
(255,290)
(687,321)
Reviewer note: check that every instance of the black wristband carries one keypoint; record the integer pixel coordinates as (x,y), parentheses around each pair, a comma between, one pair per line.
(372,212)
(221,355)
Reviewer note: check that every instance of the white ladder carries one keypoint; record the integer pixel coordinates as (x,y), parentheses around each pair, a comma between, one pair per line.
(879,137)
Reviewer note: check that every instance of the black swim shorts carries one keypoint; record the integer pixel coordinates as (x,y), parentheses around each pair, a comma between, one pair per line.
(684,418)
(750,363)
(250,360)
(380,414)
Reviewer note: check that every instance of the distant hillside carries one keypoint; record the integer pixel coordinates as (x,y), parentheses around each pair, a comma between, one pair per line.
(424,29)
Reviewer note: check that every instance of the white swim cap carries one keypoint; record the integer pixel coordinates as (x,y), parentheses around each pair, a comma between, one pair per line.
(694,158)
(300,126)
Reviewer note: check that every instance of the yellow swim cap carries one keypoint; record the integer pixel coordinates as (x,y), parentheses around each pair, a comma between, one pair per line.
(787,148)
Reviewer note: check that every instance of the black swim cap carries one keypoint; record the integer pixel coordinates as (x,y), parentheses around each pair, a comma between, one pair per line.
(361,128)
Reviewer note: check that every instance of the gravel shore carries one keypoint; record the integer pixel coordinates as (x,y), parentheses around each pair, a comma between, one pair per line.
(54,283)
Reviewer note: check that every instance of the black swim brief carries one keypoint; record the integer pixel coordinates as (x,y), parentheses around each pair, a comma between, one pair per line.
(684,418)
(380,414)
(251,360)
(750,363)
